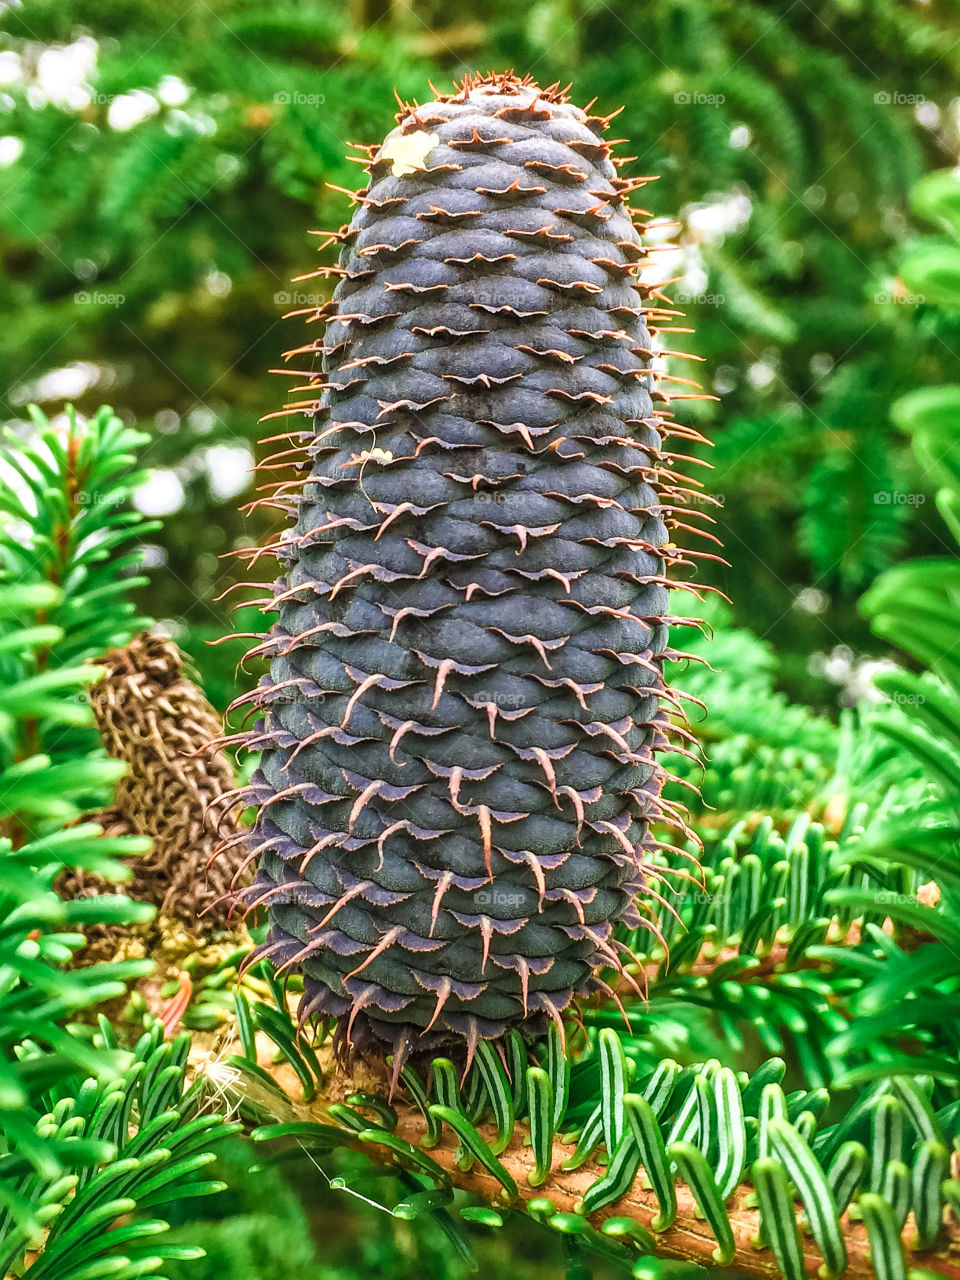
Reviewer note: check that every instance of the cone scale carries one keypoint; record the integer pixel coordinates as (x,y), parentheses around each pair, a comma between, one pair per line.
(465,701)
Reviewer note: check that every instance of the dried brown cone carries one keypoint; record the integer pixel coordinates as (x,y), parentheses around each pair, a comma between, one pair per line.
(162,727)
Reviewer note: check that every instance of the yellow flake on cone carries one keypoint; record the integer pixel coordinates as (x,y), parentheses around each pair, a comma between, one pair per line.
(408,151)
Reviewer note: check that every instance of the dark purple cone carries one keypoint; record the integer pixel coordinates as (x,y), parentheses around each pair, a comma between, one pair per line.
(459,727)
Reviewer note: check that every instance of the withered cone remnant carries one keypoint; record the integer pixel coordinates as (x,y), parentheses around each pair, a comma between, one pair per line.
(466,695)
(160,724)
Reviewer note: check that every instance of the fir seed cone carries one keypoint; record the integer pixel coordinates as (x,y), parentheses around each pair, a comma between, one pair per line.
(465,696)
(161,725)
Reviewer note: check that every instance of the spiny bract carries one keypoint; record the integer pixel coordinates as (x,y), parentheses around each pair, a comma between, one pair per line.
(465,695)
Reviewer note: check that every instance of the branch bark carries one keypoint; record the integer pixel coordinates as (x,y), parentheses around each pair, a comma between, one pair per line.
(688,1240)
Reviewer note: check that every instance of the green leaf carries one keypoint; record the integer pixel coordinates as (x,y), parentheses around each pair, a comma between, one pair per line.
(813,1188)
(308,1132)
(770,1072)
(778,1219)
(246,1032)
(617,1179)
(423,1202)
(540,1102)
(418,1092)
(887,1145)
(934,274)
(498,1091)
(475,1143)
(558,1069)
(446,1086)
(385,1113)
(279,1027)
(351,1119)
(896,1190)
(883,1232)
(773,1105)
(731,1131)
(917,1105)
(653,1154)
(517,1070)
(628,1229)
(695,1171)
(658,1090)
(936,197)
(613,1085)
(588,1142)
(930,1168)
(483,1215)
(406,1155)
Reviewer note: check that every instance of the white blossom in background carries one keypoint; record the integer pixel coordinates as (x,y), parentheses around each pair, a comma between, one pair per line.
(218,284)
(722,216)
(11,67)
(740,137)
(172,91)
(853,675)
(130,109)
(153,556)
(65,73)
(161,495)
(11,149)
(928,114)
(202,420)
(228,468)
(760,374)
(812,600)
(66,383)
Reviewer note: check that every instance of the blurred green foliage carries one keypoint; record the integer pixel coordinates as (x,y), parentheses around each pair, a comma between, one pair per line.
(161,166)
(174,157)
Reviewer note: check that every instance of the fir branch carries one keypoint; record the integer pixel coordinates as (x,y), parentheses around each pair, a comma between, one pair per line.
(516,1177)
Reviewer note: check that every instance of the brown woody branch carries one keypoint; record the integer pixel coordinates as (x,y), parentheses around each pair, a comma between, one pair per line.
(689,1239)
